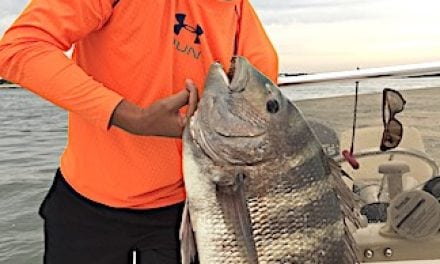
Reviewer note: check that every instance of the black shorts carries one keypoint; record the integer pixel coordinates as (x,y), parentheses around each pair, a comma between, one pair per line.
(80,231)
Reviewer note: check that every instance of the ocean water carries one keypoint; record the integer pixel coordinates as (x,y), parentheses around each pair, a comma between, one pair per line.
(33,135)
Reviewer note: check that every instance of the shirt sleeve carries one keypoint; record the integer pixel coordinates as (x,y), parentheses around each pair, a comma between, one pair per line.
(31,55)
(254,44)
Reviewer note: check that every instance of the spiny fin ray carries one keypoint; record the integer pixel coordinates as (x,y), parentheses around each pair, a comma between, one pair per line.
(350,211)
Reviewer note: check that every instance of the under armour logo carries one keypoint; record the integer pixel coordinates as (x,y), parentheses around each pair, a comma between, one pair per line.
(198,31)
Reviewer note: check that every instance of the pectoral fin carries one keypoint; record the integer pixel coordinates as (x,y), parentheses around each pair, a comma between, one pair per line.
(236,213)
(188,249)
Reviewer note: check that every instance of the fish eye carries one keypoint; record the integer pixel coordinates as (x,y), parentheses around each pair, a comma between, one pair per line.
(272,106)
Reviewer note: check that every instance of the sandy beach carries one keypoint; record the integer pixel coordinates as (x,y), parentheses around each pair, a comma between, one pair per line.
(422,111)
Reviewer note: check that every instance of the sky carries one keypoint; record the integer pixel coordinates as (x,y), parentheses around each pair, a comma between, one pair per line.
(334,35)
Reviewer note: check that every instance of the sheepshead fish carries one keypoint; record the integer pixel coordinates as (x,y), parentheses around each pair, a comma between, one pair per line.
(260,188)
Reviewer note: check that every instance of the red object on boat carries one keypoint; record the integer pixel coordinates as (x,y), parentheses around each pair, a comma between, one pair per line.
(350,159)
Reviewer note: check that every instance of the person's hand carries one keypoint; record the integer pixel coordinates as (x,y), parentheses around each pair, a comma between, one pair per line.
(162,118)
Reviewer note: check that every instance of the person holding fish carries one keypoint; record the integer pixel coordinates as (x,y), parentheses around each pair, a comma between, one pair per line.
(132,83)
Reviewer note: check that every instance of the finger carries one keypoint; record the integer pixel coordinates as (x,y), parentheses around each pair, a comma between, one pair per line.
(193,97)
(182,121)
(178,100)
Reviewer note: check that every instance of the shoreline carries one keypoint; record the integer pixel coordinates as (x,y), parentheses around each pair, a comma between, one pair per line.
(9,86)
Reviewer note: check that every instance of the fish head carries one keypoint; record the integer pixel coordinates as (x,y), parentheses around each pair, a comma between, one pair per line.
(240,115)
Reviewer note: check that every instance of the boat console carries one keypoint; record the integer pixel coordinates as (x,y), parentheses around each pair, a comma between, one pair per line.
(399,191)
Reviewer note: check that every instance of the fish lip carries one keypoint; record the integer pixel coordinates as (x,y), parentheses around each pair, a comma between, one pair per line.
(219,68)
(238,75)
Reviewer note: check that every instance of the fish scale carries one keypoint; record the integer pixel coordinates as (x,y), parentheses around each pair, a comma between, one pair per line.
(260,188)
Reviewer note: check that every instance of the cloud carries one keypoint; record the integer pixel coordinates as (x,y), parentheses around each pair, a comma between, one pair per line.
(12,6)
(316,35)
(305,4)
(312,35)
(336,11)
(9,10)
(5,22)
(312,11)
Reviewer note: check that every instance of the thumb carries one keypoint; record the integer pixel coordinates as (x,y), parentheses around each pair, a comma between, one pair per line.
(178,100)
(193,97)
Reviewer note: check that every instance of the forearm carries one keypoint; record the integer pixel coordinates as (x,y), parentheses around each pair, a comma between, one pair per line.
(31,54)
(46,71)
(127,116)
(162,118)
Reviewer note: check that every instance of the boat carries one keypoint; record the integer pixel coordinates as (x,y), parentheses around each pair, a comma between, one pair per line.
(398,189)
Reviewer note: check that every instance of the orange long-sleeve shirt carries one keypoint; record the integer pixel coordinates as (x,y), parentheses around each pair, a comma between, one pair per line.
(138,50)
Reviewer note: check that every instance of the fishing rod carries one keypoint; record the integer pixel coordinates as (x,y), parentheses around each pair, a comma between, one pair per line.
(369,73)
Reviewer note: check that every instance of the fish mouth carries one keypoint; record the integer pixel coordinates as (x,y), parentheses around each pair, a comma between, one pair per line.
(232,76)
(242,120)
(236,78)
(228,127)
(231,72)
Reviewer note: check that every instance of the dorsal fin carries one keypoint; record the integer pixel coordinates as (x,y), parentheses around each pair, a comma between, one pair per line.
(350,211)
